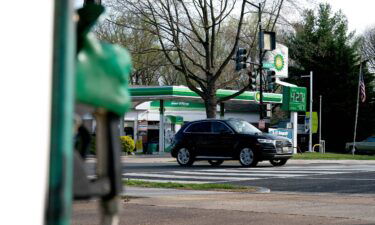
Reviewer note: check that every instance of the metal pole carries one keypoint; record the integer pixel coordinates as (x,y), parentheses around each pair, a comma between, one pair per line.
(161,127)
(60,183)
(260,64)
(311,106)
(222,110)
(356,112)
(98,2)
(320,121)
(294,120)
(122,133)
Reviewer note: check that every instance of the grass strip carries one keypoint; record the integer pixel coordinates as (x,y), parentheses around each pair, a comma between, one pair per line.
(331,156)
(190,186)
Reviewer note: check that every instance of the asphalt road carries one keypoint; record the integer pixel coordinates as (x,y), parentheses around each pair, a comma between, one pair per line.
(302,192)
(321,177)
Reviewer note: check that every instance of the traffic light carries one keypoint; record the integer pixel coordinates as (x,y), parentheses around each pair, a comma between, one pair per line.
(267,40)
(241,59)
(271,79)
(252,80)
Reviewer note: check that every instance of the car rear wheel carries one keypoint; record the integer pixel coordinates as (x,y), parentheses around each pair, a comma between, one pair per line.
(217,162)
(247,157)
(184,157)
(278,162)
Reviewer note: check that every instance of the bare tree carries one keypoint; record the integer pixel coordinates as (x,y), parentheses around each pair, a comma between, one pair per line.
(150,65)
(198,39)
(368,47)
(192,39)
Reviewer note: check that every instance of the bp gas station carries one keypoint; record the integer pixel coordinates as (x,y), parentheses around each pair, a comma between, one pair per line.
(158,112)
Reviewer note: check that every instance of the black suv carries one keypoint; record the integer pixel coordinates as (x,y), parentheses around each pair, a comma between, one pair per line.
(218,140)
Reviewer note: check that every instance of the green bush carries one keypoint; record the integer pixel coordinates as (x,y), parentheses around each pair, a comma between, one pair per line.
(127,144)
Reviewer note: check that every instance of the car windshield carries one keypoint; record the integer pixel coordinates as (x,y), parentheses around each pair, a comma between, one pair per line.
(243,127)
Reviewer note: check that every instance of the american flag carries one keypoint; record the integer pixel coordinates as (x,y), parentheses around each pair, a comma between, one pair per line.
(362,88)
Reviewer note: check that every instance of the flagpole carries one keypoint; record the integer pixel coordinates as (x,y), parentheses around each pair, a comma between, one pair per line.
(356,113)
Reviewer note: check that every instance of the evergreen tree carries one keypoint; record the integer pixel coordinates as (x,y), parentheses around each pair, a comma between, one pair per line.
(323,45)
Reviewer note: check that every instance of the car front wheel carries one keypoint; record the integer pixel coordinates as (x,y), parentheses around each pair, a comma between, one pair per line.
(247,157)
(184,157)
(278,162)
(215,162)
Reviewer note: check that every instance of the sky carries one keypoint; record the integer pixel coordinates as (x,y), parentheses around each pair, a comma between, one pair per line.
(360,13)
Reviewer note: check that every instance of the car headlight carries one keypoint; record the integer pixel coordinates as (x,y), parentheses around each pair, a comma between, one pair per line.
(267,141)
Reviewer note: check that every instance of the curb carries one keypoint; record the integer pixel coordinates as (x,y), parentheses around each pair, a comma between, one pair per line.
(158,192)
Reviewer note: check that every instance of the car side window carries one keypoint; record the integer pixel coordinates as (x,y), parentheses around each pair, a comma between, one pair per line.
(203,127)
(218,127)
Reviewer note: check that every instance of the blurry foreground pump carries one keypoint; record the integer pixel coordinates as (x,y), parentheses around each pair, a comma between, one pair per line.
(101,82)
(102,69)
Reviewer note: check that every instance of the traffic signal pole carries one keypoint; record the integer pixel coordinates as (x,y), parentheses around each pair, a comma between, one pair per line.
(270,46)
(260,64)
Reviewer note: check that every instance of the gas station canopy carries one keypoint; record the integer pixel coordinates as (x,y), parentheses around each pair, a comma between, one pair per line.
(182,93)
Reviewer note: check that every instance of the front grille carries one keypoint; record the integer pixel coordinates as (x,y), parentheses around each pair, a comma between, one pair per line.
(283,146)
(279,144)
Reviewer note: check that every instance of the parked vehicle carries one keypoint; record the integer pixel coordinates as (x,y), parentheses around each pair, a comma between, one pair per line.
(366,146)
(218,140)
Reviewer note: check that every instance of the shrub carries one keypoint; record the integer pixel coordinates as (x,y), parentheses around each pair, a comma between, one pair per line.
(127,144)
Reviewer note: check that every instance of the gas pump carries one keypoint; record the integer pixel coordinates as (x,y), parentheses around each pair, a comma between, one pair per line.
(107,92)
(101,81)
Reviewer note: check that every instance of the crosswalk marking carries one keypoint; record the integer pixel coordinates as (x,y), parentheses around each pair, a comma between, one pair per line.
(220,175)
(184,177)
(272,172)
(239,174)
(166,181)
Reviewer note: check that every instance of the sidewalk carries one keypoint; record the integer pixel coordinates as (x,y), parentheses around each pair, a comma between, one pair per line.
(171,207)
(335,207)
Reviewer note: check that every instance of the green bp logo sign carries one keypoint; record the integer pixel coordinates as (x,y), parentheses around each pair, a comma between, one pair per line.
(279,62)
